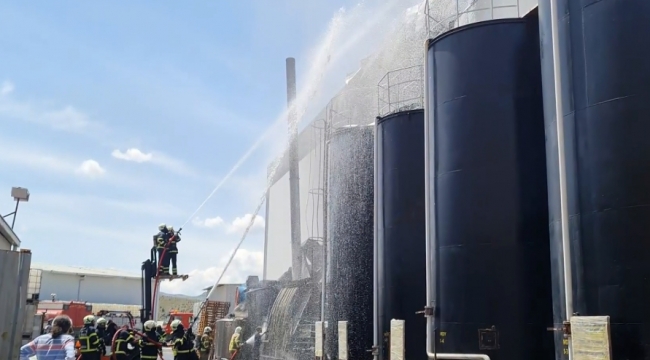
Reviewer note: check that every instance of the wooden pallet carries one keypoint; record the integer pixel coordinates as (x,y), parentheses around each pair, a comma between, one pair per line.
(212,311)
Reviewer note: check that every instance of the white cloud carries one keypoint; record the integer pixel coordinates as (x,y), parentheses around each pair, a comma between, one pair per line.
(208,222)
(244,263)
(91,169)
(6,88)
(67,118)
(160,159)
(132,154)
(241,223)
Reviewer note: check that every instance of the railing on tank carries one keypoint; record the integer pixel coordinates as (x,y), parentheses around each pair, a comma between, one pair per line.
(401,90)
(350,107)
(443,15)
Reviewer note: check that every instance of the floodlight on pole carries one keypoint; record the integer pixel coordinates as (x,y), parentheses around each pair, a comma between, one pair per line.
(19,194)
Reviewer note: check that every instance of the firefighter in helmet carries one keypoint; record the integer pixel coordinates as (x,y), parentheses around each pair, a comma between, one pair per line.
(88,340)
(183,348)
(101,333)
(174,239)
(124,339)
(161,243)
(149,344)
(206,343)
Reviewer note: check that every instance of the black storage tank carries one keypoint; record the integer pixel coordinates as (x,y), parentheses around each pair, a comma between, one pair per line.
(490,231)
(605,68)
(400,242)
(350,239)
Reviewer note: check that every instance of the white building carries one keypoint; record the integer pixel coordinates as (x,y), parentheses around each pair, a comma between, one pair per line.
(7,236)
(225,293)
(90,285)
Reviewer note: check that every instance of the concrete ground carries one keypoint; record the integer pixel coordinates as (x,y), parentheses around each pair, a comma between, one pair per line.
(167,354)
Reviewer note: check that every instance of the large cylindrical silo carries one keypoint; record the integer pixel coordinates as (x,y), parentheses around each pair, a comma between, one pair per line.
(400,224)
(488,223)
(350,239)
(605,71)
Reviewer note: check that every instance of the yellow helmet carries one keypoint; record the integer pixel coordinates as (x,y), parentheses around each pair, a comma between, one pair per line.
(207,330)
(89,320)
(162,227)
(101,321)
(175,324)
(170,228)
(149,325)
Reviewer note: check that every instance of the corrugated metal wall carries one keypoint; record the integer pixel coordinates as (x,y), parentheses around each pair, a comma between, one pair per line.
(14,276)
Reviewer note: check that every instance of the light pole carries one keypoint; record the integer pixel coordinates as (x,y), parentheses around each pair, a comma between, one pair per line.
(19,194)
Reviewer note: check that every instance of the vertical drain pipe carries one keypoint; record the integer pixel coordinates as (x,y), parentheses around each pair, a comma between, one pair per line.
(376,333)
(564,207)
(430,216)
(429,208)
(294,175)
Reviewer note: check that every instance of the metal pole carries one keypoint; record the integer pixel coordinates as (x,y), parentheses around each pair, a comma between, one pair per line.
(13,221)
(564,207)
(294,173)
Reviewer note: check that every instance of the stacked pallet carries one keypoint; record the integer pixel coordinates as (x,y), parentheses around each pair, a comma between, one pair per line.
(213,311)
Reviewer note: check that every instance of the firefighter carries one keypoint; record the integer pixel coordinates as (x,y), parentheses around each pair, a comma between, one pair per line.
(89,342)
(257,343)
(149,349)
(111,329)
(101,333)
(235,343)
(161,242)
(161,333)
(173,249)
(206,343)
(124,339)
(182,346)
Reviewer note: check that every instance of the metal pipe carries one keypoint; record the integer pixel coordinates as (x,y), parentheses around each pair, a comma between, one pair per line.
(325,204)
(81,278)
(377,329)
(294,173)
(429,209)
(458,356)
(13,221)
(564,207)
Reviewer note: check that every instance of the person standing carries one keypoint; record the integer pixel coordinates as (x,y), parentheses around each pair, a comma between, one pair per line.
(235,343)
(182,342)
(101,333)
(174,239)
(206,343)
(149,347)
(57,345)
(163,256)
(89,341)
(257,343)
(124,339)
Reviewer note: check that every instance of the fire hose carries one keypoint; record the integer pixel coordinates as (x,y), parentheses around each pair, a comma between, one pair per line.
(126,328)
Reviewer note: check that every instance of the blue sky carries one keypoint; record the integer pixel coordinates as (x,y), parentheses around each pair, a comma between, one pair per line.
(118,116)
